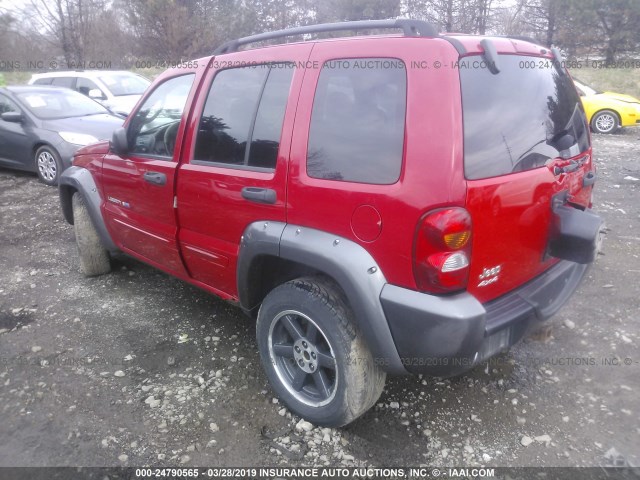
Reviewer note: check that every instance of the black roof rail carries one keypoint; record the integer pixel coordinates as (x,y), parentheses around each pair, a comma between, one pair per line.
(410,28)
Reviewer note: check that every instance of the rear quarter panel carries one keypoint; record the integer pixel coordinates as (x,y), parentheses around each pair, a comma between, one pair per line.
(432,173)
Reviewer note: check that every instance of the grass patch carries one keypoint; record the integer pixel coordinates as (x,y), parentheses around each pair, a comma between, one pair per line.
(619,80)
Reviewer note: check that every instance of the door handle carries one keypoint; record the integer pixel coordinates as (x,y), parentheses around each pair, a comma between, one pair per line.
(155,178)
(259,195)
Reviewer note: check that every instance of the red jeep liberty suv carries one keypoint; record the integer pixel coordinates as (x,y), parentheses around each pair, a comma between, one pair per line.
(399,203)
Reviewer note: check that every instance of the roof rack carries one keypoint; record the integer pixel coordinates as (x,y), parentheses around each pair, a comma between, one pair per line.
(410,28)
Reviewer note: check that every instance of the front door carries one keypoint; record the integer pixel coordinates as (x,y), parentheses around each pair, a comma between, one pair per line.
(14,142)
(235,172)
(139,186)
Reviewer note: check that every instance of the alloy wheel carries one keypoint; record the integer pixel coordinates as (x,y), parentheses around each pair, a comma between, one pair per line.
(303,358)
(47,166)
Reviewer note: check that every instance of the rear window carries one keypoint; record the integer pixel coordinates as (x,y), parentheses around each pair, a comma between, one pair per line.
(520,118)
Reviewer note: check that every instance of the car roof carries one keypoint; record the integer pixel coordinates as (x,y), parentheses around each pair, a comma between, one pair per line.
(36,89)
(82,73)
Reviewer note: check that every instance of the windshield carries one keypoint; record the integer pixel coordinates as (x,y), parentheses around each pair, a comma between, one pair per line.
(120,84)
(520,118)
(49,105)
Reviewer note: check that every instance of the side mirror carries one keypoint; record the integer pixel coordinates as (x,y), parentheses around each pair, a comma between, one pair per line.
(13,117)
(96,94)
(119,142)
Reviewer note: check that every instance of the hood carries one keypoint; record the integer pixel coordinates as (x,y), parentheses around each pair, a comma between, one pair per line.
(100,126)
(123,104)
(621,97)
(100,148)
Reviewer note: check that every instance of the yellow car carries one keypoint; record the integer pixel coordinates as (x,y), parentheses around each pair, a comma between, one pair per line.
(607,111)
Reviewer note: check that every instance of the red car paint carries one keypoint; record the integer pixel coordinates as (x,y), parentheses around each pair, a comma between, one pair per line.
(192,227)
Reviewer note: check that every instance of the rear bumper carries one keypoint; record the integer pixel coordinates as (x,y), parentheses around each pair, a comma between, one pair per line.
(445,336)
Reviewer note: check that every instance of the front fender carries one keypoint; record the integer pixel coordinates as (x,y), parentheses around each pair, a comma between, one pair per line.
(78,179)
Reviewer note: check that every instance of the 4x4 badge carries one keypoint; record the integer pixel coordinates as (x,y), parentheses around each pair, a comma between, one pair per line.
(489,276)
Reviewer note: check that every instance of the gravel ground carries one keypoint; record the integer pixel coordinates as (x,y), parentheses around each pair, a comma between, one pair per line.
(138,368)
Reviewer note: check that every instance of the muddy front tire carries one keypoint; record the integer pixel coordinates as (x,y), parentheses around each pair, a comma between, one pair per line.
(94,258)
(314,355)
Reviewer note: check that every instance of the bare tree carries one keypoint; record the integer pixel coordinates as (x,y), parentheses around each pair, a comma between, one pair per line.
(66,24)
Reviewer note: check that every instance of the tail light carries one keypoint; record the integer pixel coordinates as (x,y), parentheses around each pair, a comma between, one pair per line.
(442,250)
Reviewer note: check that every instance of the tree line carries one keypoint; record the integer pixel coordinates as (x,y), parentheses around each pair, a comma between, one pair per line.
(123,32)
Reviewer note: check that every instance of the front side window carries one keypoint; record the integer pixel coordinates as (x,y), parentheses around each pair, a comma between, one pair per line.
(242,119)
(520,118)
(154,127)
(358,119)
(7,105)
(84,86)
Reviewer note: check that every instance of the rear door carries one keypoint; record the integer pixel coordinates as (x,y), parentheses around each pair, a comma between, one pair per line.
(525,141)
(139,186)
(234,172)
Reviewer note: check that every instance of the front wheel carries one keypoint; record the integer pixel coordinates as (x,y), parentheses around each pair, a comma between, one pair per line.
(48,165)
(605,121)
(314,355)
(94,258)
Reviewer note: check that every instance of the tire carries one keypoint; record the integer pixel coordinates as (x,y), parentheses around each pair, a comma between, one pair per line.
(305,321)
(605,121)
(48,165)
(94,258)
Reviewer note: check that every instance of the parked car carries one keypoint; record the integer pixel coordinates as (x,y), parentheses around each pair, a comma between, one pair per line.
(373,215)
(608,111)
(42,127)
(119,91)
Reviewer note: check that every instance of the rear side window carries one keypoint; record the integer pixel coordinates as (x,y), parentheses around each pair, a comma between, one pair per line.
(357,123)
(519,119)
(66,82)
(242,119)
(43,81)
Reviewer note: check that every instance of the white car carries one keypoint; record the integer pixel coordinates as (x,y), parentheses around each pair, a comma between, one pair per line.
(119,91)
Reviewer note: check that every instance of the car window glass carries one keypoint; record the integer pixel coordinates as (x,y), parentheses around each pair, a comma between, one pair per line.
(519,119)
(154,127)
(245,106)
(265,139)
(84,86)
(7,105)
(66,82)
(43,81)
(120,84)
(357,122)
(51,104)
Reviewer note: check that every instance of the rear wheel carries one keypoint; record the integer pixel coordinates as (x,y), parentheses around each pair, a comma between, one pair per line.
(314,355)
(605,121)
(94,258)
(48,165)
